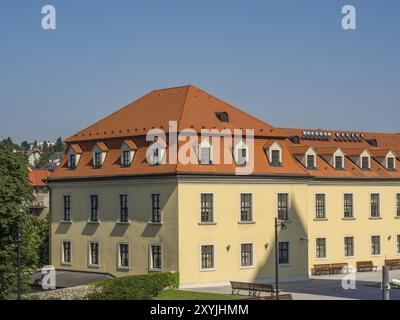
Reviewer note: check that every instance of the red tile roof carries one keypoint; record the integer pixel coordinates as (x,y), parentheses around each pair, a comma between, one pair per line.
(37,177)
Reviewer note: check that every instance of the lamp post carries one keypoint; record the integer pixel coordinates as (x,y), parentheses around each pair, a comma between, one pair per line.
(282,226)
(19,240)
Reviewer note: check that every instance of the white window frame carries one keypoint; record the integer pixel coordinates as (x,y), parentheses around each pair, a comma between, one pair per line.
(253,220)
(151,209)
(238,148)
(90,208)
(119,266)
(344,246)
(90,264)
(119,208)
(370,205)
(289,205)
(326,247)
(380,245)
(289,254)
(325,206)
(213,209)
(310,152)
(150,251)
(354,206)
(252,266)
(63,208)
(214,257)
(63,262)
(205,144)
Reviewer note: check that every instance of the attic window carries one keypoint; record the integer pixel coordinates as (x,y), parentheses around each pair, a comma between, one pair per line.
(72,161)
(339,163)
(222,116)
(365,163)
(275,157)
(390,164)
(310,161)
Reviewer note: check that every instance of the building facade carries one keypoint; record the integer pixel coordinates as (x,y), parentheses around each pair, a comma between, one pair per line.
(124,205)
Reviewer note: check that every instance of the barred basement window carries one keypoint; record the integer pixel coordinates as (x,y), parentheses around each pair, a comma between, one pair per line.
(375,207)
(348,205)
(123,215)
(320,206)
(155,208)
(365,163)
(94,208)
(283,253)
(349,246)
(66,252)
(155,257)
(94,253)
(67,208)
(321,248)
(283,206)
(246,207)
(123,255)
(275,157)
(246,254)
(207,207)
(207,257)
(375,245)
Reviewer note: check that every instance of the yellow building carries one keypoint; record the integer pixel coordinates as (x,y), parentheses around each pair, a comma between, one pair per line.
(123,203)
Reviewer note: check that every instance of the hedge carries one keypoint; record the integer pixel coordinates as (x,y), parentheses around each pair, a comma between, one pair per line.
(140,287)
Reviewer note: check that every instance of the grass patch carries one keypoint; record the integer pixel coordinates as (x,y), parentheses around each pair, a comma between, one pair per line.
(190,295)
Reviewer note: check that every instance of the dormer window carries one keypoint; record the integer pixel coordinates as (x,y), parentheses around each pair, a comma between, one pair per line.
(241,154)
(155,153)
(74,153)
(339,163)
(390,164)
(365,163)
(205,152)
(275,157)
(310,161)
(274,153)
(99,154)
(128,149)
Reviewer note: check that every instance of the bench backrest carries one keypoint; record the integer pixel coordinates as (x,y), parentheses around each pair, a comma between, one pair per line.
(262,287)
(392,262)
(321,266)
(364,264)
(240,285)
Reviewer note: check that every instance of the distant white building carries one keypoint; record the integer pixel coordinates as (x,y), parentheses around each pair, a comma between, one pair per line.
(33,156)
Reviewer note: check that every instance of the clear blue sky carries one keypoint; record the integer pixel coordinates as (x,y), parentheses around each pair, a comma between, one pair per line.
(288,62)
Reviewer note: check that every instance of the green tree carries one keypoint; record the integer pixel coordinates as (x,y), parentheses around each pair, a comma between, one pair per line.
(45,145)
(24,145)
(59,145)
(15,194)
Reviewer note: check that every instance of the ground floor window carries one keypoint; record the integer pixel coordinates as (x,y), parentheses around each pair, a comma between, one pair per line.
(246,254)
(283,253)
(398,244)
(155,257)
(123,255)
(349,246)
(375,245)
(94,253)
(321,248)
(66,252)
(207,257)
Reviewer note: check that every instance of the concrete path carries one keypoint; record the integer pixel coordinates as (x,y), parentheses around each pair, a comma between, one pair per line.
(328,287)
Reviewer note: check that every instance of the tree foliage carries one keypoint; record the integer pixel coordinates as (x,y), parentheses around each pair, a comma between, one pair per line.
(15,194)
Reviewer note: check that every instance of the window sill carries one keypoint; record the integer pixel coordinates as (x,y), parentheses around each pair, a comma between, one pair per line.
(155,270)
(207,223)
(376,255)
(153,223)
(247,267)
(66,264)
(246,222)
(123,268)
(93,222)
(350,219)
(207,270)
(124,222)
(375,218)
(285,265)
(320,219)
(93,266)
(397,217)
(66,221)
(321,259)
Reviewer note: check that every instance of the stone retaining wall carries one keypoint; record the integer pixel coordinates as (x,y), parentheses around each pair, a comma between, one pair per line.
(72,293)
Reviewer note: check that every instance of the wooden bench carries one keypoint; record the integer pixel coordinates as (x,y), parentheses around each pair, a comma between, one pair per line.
(337,267)
(365,266)
(237,286)
(319,269)
(284,296)
(393,263)
(252,288)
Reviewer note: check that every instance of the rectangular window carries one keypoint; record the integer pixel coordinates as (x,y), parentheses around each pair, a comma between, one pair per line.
(246,254)
(320,212)
(67,208)
(205,155)
(123,255)
(338,162)
(375,205)
(275,157)
(365,163)
(375,245)
(66,252)
(398,244)
(242,156)
(97,159)
(126,158)
(246,213)
(398,204)
(207,257)
(207,207)
(283,253)
(94,253)
(72,161)
(155,208)
(390,164)
(94,208)
(283,206)
(310,161)
(349,246)
(156,257)
(123,214)
(348,205)
(321,248)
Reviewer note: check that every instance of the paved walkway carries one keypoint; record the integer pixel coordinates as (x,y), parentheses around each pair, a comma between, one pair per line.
(329,287)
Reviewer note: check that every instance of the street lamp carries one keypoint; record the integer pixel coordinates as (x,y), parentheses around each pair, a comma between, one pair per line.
(19,240)
(282,226)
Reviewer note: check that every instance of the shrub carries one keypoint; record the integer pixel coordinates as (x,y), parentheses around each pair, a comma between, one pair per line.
(140,287)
